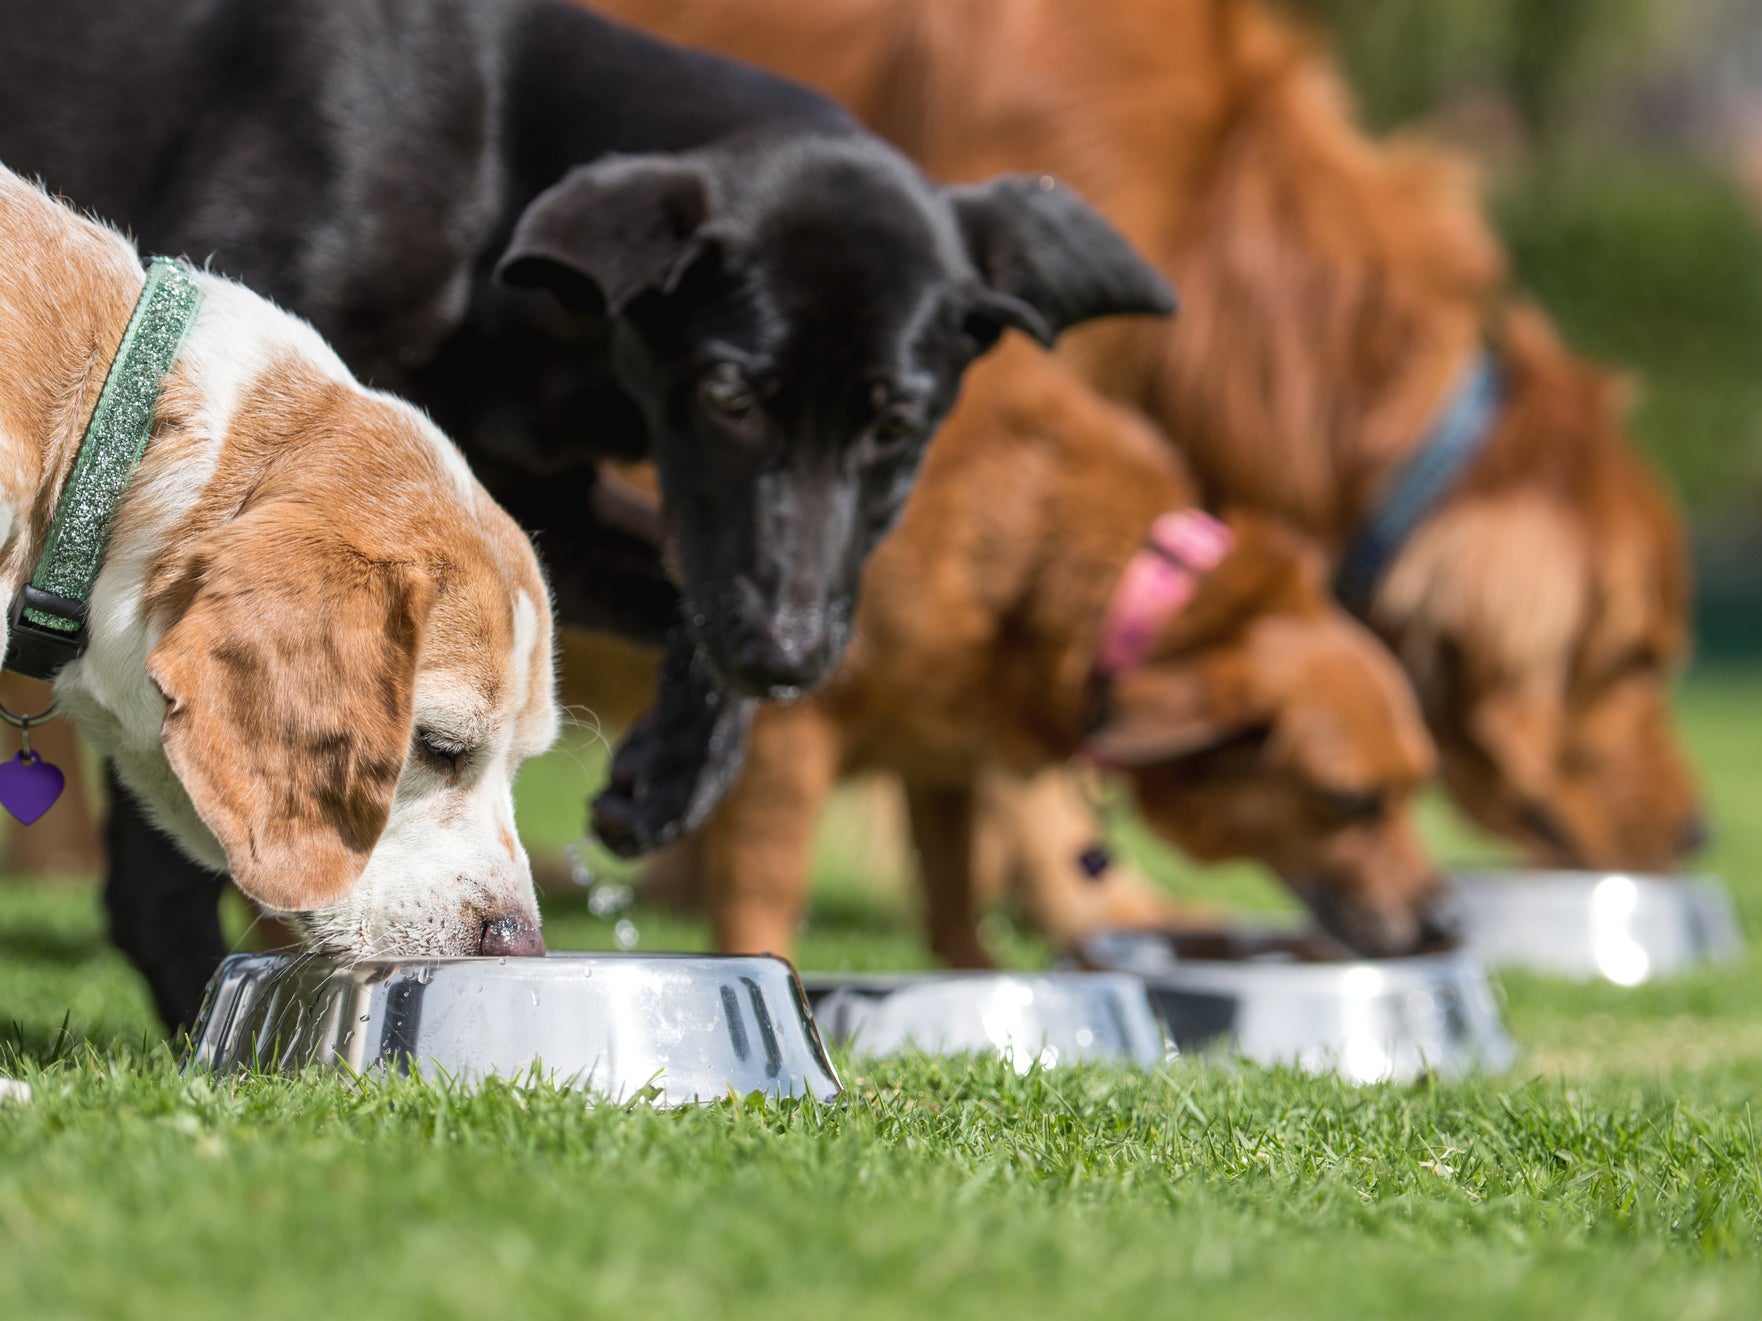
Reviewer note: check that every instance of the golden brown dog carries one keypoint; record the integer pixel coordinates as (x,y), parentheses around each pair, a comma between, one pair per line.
(1335,288)
(1258,721)
(317,650)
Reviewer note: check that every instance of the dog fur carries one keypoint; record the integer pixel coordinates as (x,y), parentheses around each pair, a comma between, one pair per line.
(318,650)
(1336,286)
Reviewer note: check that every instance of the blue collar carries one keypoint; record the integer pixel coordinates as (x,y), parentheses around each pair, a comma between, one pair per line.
(1422,483)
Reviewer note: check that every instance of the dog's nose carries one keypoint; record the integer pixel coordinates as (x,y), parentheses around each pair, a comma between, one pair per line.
(767,666)
(1440,921)
(1381,930)
(1695,837)
(512,937)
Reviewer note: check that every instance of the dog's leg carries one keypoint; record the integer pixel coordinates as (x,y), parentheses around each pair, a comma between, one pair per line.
(1036,831)
(757,849)
(942,828)
(677,761)
(163,910)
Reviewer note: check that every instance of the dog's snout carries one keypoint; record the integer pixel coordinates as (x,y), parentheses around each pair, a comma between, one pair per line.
(512,937)
(1382,930)
(769,665)
(777,640)
(1440,921)
(1695,838)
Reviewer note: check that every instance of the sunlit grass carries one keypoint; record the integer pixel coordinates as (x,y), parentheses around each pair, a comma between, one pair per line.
(1614,1172)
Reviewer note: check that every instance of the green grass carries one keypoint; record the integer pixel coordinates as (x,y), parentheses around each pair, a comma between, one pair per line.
(1655,266)
(1616,1171)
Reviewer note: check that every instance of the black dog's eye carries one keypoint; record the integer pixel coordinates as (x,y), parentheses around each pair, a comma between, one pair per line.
(441,751)
(896,427)
(725,391)
(1356,806)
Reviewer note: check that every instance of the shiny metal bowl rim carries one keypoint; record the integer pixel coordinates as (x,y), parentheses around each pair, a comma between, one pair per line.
(373,972)
(1518,876)
(1261,969)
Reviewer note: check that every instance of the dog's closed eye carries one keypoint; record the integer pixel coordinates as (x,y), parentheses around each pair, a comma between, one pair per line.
(446,753)
(1637,662)
(1540,821)
(1355,805)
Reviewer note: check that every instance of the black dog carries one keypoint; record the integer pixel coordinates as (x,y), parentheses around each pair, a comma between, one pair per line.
(569,241)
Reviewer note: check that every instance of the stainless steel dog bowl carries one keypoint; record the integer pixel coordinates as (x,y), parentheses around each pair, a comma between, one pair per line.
(1029,1019)
(690,1027)
(1625,928)
(1281,997)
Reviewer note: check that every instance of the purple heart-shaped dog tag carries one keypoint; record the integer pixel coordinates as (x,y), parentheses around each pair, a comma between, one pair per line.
(29,786)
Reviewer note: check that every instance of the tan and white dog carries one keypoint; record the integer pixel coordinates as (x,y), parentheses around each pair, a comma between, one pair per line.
(318,649)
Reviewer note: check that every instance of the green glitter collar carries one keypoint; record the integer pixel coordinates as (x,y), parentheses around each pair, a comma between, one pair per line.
(49,615)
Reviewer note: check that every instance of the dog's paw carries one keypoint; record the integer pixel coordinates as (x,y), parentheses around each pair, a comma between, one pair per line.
(642,809)
(668,777)
(631,826)
(13,1090)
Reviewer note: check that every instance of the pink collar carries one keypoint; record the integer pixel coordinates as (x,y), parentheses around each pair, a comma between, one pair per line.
(1160,579)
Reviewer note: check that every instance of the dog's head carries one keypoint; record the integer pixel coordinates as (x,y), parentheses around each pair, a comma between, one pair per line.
(793,316)
(1545,616)
(354,651)
(1267,724)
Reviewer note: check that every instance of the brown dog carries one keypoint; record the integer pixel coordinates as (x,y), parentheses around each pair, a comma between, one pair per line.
(316,651)
(1336,289)
(1257,720)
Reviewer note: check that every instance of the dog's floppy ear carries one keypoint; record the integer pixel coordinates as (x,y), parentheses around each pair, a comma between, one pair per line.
(610,231)
(288,668)
(1173,709)
(1048,260)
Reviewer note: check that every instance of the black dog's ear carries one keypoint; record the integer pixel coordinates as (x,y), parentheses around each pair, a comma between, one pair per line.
(1048,259)
(612,230)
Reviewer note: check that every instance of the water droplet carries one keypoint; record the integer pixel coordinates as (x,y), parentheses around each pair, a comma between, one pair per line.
(606,900)
(581,871)
(625,934)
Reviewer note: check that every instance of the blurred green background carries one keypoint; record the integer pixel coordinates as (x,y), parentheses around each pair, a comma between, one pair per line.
(1622,141)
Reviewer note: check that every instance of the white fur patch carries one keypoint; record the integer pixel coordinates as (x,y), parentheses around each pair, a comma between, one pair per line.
(14,1091)
(529,638)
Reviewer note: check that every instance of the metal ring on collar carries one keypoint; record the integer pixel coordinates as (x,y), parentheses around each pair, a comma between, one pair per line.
(25,722)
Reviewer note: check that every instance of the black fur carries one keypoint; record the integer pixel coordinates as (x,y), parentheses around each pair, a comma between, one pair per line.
(569,241)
